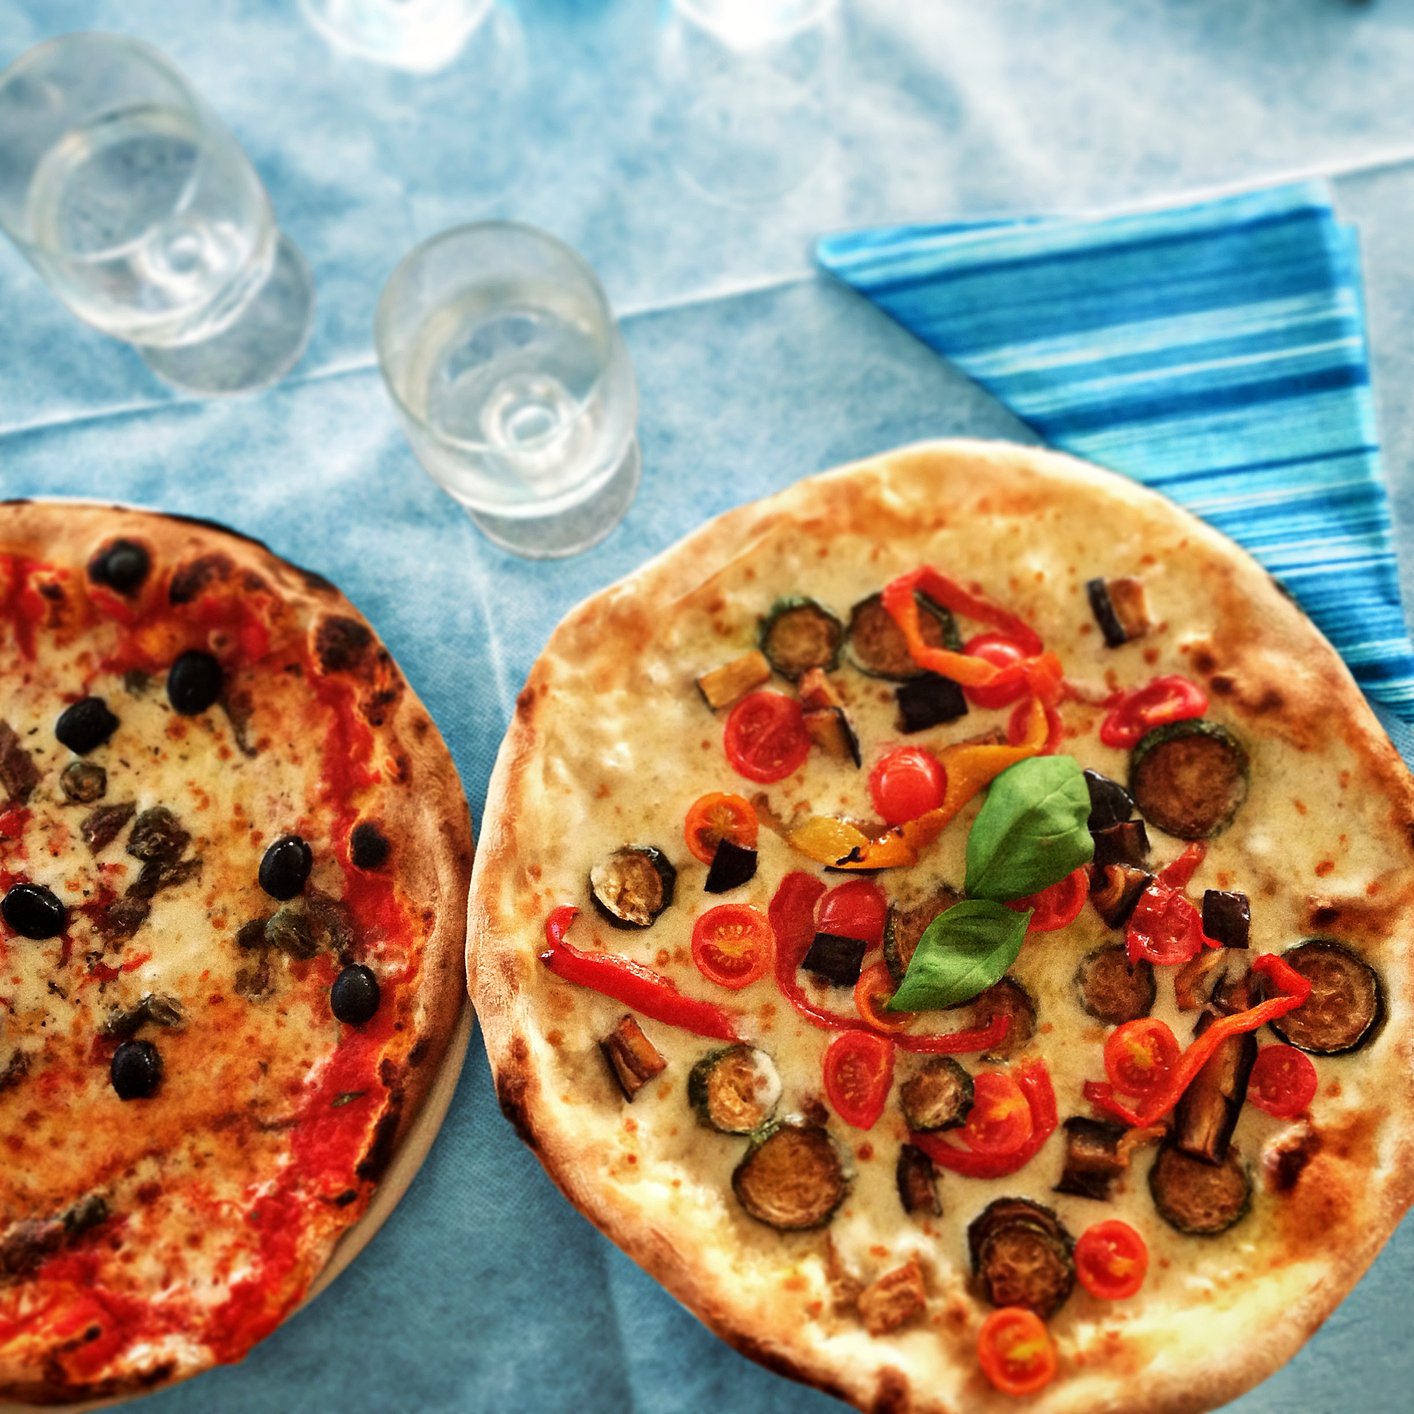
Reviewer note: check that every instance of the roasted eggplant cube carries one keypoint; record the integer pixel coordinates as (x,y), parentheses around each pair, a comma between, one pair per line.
(929,701)
(1207,1114)
(1115,889)
(831,731)
(1120,607)
(1227,918)
(725,686)
(835,959)
(732,866)
(917,1182)
(1125,843)
(633,1059)
(1109,802)
(1092,1162)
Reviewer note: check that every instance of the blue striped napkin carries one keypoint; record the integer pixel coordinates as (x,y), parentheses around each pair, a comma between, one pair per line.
(1215,352)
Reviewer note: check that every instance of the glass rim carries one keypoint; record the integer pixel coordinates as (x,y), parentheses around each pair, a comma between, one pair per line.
(522,230)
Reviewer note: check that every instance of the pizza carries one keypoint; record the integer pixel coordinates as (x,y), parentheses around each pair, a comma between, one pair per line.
(948,922)
(233,865)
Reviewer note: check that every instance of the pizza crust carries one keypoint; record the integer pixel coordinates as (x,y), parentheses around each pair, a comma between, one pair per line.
(1267,669)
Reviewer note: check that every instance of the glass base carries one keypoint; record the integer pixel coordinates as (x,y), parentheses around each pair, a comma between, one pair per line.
(263,343)
(552,537)
(421,36)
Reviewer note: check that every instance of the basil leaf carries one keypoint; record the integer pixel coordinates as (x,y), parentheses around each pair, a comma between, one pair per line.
(1032,829)
(961,953)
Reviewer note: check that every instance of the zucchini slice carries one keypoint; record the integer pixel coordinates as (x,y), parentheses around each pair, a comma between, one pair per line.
(633,885)
(938,1096)
(799,634)
(1109,801)
(734,1090)
(928,701)
(1007,997)
(1207,1113)
(792,1177)
(1196,1198)
(877,646)
(1112,989)
(1189,778)
(1115,889)
(1021,1256)
(1092,1161)
(904,926)
(1346,1005)
(1227,917)
(1125,843)
(1001,1212)
(633,1059)
(725,686)
(917,1182)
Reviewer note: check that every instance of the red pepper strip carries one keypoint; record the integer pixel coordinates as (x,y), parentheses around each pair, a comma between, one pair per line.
(1156,704)
(1297,988)
(957,1043)
(630,982)
(1035,1084)
(1178,873)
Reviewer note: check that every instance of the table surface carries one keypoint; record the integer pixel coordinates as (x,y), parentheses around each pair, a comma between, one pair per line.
(485,1290)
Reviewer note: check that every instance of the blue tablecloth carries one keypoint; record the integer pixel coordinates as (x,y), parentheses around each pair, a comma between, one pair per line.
(484,1290)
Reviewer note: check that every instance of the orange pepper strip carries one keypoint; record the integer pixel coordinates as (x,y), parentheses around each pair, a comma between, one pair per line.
(1297,989)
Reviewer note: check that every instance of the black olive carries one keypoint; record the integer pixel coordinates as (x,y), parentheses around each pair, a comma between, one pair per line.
(285,867)
(368,845)
(136,1070)
(354,996)
(85,725)
(123,566)
(84,782)
(34,912)
(194,682)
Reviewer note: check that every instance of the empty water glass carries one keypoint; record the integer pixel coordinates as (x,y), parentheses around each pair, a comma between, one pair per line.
(141,212)
(408,34)
(513,384)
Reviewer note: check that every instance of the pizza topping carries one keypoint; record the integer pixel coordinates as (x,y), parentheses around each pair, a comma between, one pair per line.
(1035,1085)
(791,1178)
(25,1244)
(194,682)
(1125,843)
(1111,1260)
(355,995)
(936,1097)
(1283,1082)
(1009,1000)
(1120,607)
(285,866)
(100,828)
(122,566)
(1346,1002)
(157,837)
(1206,1116)
(732,866)
(734,1090)
(1197,1198)
(903,927)
(85,725)
(1140,1056)
(289,929)
(834,959)
(1113,989)
(799,634)
(731,945)
(1227,918)
(1196,974)
(34,911)
(1092,1158)
(18,773)
(1058,905)
(154,1008)
(872,995)
(999,1119)
(1158,703)
(83,782)
(725,686)
(1109,802)
(877,646)
(928,701)
(825,720)
(1015,1351)
(1021,1256)
(907,782)
(136,1070)
(1165,928)
(893,1299)
(859,1072)
(1189,778)
(633,886)
(1115,889)
(368,846)
(855,910)
(1003,653)
(632,1058)
(917,1181)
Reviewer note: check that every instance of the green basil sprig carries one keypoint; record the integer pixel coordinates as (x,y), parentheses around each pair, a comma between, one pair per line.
(1031,832)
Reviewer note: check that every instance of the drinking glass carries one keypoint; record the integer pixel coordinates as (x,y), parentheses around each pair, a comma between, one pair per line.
(748,87)
(141,212)
(513,384)
(407,34)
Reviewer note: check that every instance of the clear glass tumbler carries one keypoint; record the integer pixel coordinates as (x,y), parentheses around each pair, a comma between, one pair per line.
(513,384)
(141,212)
(407,34)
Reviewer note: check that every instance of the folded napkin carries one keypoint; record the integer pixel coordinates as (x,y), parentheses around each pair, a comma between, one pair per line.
(1214,351)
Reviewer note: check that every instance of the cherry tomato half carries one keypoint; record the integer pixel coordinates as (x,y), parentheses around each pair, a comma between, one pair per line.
(766,739)
(1058,905)
(1283,1081)
(717,817)
(1001,652)
(1157,703)
(855,910)
(871,995)
(1111,1260)
(731,944)
(859,1069)
(1000,1120)
(1015,1351)
(1165,928)
(909,781)
(1140,1056)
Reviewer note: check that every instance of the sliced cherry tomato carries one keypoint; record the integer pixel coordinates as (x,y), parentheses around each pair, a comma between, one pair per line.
(855,910)
(871,994)
(1283,1081)
(731,944)
(859,1069)
(1015,1351)
(1111,1260)
(1058,905)
(1156,704)
(1000,1119)
(908,782)
(1001,652)
(766,739)
(1140,1056)
(1165,928)
(717,817)
(1020,721)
